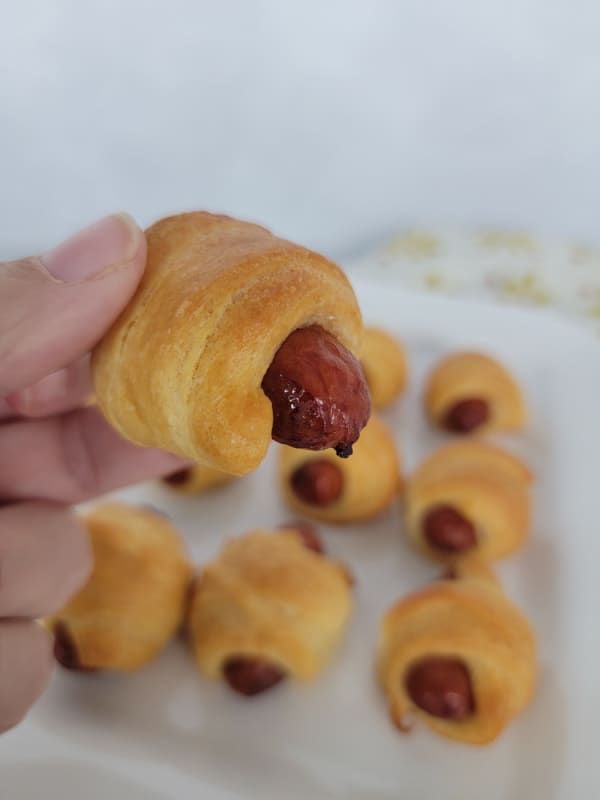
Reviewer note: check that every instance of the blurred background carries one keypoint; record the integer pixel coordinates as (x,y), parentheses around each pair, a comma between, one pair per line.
(333,123)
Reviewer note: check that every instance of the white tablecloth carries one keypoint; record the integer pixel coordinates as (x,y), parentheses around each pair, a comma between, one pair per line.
(490,264)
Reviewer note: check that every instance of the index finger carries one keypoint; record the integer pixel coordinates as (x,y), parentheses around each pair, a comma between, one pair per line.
(54,309)
(73,457)
(58,392)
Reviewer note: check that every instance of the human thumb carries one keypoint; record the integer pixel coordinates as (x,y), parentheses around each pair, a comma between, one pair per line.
(55,307)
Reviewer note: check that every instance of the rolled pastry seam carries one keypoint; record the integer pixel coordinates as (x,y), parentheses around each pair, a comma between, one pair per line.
(467,630)
(468,498)
(182,367)
(473,393)
(323,487)
(134,601)
(268,597)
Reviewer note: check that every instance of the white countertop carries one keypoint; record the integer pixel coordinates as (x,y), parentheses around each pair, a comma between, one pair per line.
(332,123)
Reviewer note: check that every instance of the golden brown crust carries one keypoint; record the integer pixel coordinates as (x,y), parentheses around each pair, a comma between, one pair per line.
(182,367)
(371,476)
(267,596)
(463,376)
(471,620)
(383,360)
(474,455)
(487,485)
(134,601)
(198,479)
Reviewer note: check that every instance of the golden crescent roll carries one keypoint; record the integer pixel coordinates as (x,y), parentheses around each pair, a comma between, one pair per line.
(468,498)
(134,600)
(383,360)
(196,479)
(182,367)
(459,656)
(267,607)
(468,392)
(323,487)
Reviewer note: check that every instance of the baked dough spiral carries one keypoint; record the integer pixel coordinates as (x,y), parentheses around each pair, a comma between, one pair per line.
(134,600)
(458,656)
(472,392)
(469,497)
(269,599)
(323,487)
(182,367)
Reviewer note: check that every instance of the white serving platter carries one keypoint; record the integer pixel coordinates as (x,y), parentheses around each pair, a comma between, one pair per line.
(165,732)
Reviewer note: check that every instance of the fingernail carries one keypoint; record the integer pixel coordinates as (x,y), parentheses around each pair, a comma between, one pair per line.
(94,250)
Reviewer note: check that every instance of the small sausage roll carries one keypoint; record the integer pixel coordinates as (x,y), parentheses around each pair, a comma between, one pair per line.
(134,600)
(234,337)
(384,363)
(323,487)
(268,607)
(459,656)
(196,479)
(468,498)
(471,392)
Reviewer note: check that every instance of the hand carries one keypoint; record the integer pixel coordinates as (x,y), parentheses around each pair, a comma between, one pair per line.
(55,449)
